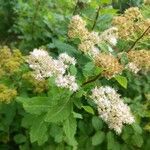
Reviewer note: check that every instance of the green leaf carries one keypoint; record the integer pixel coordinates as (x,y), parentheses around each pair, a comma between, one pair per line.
(19,138)
(137,128)
(27,120)
(64,47)
(122,81)
(59,112)
(91,70)
(88,109)
(98,138)
(35,105)
(38,131)
(69,127)
(57,133)
(137,140)
(88,69)
(77,115)
(110,141)
(72,70)
(97,123)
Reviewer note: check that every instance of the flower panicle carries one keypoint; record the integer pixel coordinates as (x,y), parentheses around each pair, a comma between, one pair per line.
(45,66)
(111,108)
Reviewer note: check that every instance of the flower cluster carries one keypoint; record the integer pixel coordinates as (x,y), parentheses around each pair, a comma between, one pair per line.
(45,66)
(141,58)
(111,108)
(6,94)
(65,58)
(67,81)
(133,14)
(10,60)
(110,35)
(89,40)
(131,23)
(133,67)
(109,63)
(77,29)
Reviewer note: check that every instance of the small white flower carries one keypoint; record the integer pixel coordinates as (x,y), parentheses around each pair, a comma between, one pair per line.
(67,81)
(133,67)
(39,53)
(64,57)
(61,81)
(94,51)
(110,35)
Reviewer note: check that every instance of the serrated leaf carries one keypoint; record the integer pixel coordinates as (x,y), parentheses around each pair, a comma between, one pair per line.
(59,112)
(88,69)
(137,128)
(122,81)
(137,140)
(69,127)
(38,132)
(35,105)
(57,133)
(64,47)
(88,109)
(98,138)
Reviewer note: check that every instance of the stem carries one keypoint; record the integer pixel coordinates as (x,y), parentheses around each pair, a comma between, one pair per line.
(138,39)
(96,17)
(92,80)
(76,6)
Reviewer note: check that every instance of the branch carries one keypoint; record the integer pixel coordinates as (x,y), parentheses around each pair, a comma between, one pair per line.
(96,17)
(92,80)
(138,39)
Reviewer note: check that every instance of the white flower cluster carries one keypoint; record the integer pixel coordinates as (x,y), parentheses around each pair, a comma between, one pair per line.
(45,66)
(133,67)
(110,35)
(65,58)
(111,108)
(67,81)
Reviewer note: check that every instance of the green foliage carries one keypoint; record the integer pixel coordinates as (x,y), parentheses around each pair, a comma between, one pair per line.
(6,18)
(98,138)
(124,4)
(56,118)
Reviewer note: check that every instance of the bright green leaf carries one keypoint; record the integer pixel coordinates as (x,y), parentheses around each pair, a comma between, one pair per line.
(59,112)
(88,109)
(122,81)
(36,105)
(38,130)
(69,127)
